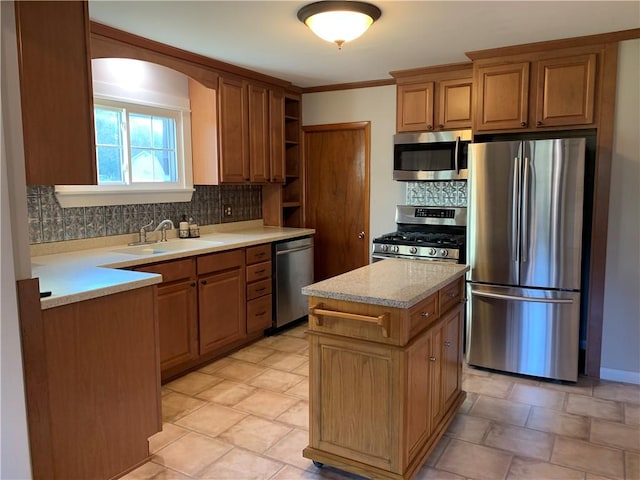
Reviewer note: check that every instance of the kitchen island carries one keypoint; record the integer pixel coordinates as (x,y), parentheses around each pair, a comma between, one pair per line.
(385,365)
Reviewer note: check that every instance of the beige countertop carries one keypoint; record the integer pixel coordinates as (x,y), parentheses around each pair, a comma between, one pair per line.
(392,282)
(73,276)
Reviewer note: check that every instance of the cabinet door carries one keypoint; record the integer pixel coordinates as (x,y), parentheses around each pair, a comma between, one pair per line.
(259,146)
(415,107)
(233,137)
(566,91)
(56,92)
(452,356)
(221,304)
(204,134)
(418,391)
(503,96)
(177,323)
(454,105)
(276,135)
(436,363)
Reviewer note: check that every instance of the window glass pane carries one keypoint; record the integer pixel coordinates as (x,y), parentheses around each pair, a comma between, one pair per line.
(146,167)
(109,145)
(110,165)
(164,133)
(108,123)
(140,130)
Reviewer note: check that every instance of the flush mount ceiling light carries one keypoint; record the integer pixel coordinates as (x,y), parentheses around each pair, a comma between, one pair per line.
(339,22)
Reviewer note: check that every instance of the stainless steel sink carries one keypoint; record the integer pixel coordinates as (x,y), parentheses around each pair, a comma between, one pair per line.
(167,247)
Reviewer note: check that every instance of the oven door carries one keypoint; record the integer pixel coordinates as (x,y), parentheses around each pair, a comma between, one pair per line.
(431,156)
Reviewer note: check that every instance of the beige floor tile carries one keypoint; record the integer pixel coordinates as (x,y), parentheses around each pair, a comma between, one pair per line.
(300,389)
(466,368)
(193,383)
(466,427)
(227,393)
(302,369)
(299,331)
(541,397)
(593,476)
(491,386)
(631,465)
(312,473)
(216,365)
(474,461)
(211,419)
(631,414)
(240,371)
(530,469)
(595,407)
(584,386)
(285,343)
(437,451)
(289,449)
(255,434)
(284,361)
(240,464)
(617,435)
(429,473)
(266,404)
(521,441)
(191,454)
(153,471)
(176,405)
(588,457)
(501,410)
(468,402)
(561,423)
(297,416)
(169,433)
(621,392)
(253,353)
(276,380)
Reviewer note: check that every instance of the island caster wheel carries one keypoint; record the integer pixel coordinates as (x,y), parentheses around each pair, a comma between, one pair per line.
(318,464)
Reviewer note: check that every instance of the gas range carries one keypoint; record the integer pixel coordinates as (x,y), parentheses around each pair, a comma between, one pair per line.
(425,233)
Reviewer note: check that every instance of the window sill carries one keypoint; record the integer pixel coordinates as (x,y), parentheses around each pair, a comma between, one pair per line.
(94,196)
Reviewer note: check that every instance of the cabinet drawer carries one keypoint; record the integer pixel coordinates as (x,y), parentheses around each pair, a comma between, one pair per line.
(451,295)
(258,289)
(259,271)
(423,314)
(171,271)
(216,262)
(259,315)
(258,254)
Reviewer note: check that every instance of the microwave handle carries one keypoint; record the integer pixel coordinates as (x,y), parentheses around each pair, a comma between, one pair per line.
(456,153)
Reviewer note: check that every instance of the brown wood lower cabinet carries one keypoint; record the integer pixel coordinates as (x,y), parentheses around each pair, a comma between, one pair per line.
(382,395)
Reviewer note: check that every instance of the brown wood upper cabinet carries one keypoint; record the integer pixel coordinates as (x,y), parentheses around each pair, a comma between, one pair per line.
(233,139)
(548,91)
(53,56)
(434,98)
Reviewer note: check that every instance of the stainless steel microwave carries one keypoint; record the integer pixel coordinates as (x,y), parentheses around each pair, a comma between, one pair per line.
(431,155)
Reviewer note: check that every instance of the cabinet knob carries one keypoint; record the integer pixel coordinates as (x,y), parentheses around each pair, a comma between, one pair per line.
(441,126)
(361,235)
(425,314)
(429,127)
(453,294)
(447,344)
(538,123)
(203,282)
(523,124)
(193,284)
(432,358)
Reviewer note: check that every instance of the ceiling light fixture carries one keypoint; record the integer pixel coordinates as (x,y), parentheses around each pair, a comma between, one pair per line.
(339,22)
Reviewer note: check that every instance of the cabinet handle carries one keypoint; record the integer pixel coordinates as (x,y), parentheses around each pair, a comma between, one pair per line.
(361,235)
(523,124)
(425,314)
(447,344)
(261,313)
(429,127)
(441,126)
(261,289)
(193,284)
(452,294)
(261,254)
(382,321)
(538,123)
(432,358)
(203,282)
(260,271)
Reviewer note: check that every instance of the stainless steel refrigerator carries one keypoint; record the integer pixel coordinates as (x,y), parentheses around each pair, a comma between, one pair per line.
(524,248)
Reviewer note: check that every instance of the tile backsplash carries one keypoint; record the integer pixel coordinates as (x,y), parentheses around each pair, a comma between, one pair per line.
(49,222)
(437,194)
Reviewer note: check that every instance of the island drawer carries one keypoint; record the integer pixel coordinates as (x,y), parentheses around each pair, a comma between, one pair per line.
(423,314)
(451,295)
(259,253)
(259,271)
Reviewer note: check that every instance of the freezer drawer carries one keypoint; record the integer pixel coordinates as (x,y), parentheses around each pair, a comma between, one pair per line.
(526,331)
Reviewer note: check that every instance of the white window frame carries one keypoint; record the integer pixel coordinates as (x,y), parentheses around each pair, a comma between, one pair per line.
(137,193)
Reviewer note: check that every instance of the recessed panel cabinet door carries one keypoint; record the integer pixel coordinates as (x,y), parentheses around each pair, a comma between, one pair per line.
(276,136)
(259,145)
(56,92)
(415,107)
(454,106)
(233,138)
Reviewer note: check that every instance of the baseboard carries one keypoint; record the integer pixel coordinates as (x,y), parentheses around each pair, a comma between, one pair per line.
(625,376)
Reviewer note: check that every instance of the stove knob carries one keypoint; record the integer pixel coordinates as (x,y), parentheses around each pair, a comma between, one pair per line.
(432,251)
(444,252)
(385,248)
(395,249)
(414,250)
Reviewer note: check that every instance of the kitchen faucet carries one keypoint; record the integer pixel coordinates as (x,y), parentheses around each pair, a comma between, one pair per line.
(162,226)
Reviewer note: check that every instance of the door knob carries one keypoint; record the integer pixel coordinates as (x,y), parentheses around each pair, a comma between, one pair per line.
(361,235)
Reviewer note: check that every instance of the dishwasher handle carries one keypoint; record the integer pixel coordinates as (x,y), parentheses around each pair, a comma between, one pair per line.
(291,250)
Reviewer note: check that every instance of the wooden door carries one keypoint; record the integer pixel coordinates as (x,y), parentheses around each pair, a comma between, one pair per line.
(452,356)
(337,199)
(259,146)
(415,107)
(454,105)
(233,137)
(566,91)
(418,389)
(436,362)
(276,136)
(503,96)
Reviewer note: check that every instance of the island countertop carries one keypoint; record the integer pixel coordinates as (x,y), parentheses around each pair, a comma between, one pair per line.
(393,282)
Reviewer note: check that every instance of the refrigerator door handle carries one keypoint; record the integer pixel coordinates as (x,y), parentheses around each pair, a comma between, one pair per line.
(525,210)
(455,154)
(515,211)
(522,299)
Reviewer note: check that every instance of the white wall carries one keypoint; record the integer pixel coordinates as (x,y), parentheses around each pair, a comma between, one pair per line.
(14,260)
(377,105)
(621,323)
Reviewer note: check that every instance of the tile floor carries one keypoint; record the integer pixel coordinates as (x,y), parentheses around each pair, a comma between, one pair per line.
(245,417)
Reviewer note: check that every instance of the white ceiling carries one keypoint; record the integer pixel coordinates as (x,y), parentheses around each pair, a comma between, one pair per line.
(267,37)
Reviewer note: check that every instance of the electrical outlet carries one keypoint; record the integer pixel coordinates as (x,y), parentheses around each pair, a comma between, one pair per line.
(227,210)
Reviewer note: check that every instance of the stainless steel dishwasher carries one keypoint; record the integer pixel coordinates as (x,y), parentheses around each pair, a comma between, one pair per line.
(293,270)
